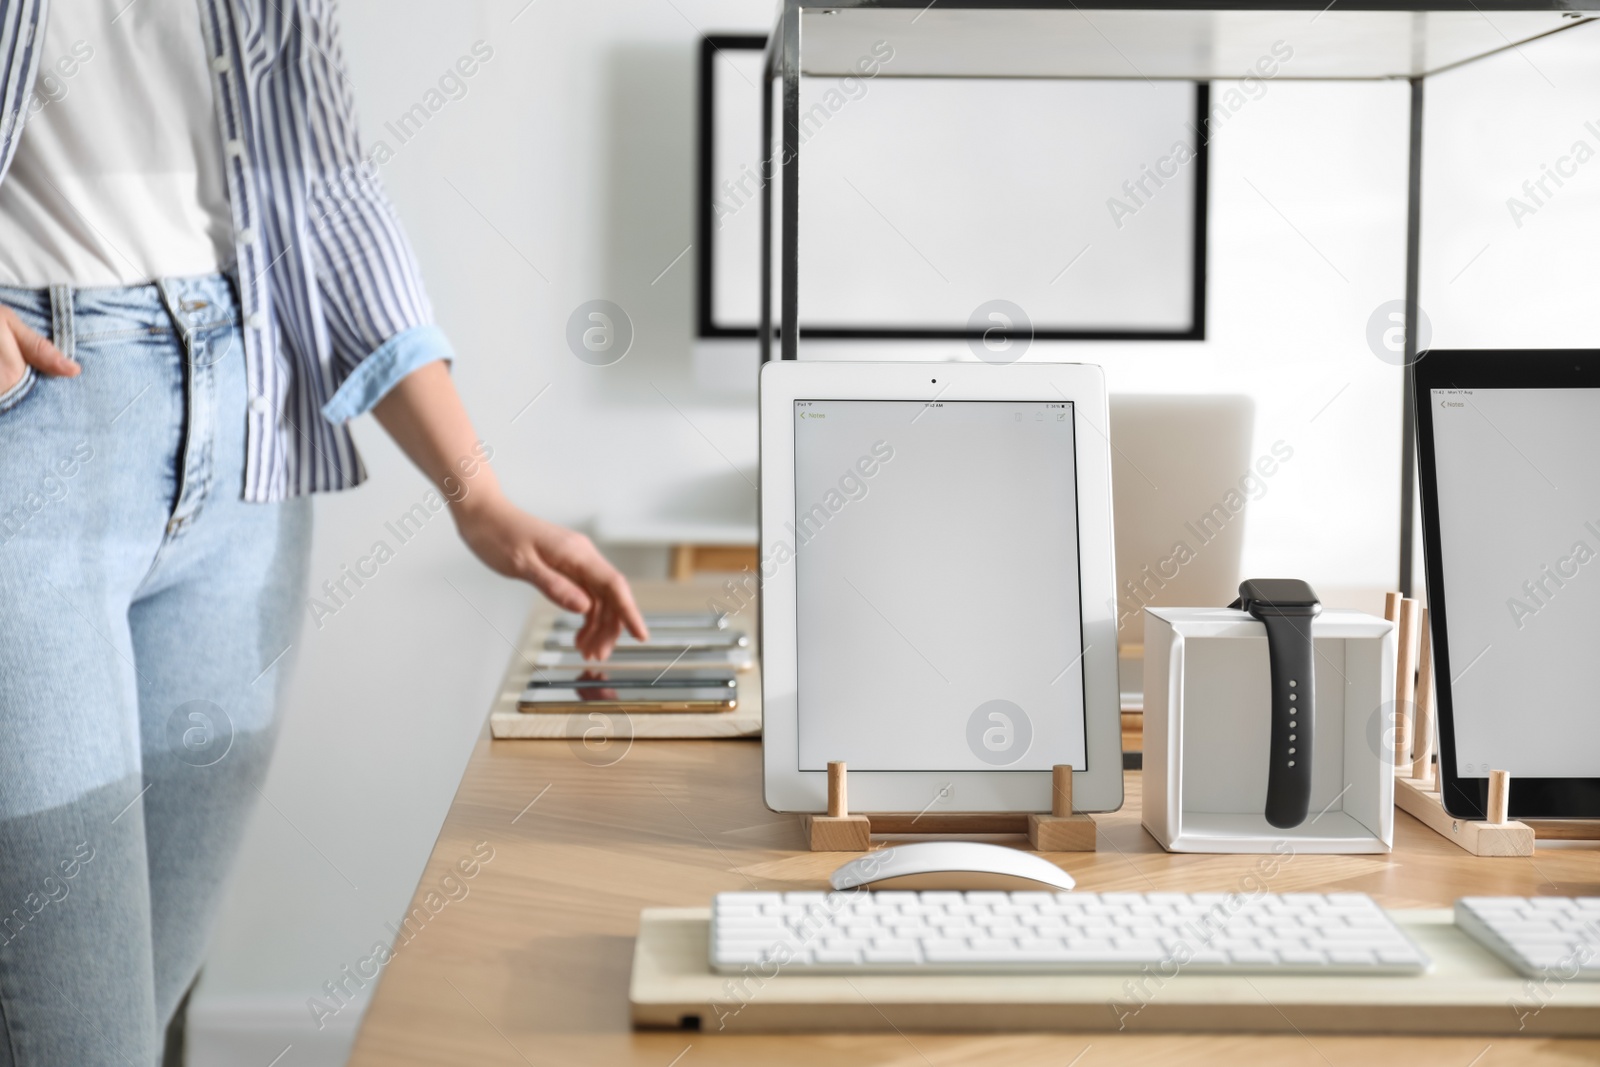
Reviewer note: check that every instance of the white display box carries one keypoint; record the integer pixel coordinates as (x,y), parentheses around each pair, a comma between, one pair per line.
(1207,724)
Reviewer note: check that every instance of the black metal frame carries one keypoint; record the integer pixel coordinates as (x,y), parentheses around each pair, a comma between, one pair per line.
(1408,383)
(783,60)
(705,319)
(708,326)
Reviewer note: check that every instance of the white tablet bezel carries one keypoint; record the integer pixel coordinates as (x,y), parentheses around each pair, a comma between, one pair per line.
(787,788)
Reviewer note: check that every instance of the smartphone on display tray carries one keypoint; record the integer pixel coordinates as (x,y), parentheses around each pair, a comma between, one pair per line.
(649,659)
(661,639)
(631,678)
(642,700)
(658,620)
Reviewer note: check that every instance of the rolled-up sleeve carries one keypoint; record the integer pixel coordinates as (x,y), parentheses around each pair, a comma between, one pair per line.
(383,368)
(379,323)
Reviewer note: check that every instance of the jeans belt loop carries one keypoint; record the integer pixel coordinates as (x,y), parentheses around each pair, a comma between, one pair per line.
(62,333)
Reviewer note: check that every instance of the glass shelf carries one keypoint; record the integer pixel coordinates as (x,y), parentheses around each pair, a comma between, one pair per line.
(1199,42)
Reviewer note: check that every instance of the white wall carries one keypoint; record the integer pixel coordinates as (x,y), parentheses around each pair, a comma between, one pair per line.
(573,141)
(571,157)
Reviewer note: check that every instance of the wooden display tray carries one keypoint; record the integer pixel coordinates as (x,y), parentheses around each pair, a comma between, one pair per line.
(1469,991)
(1481,838)
(602,728)
(1416,784)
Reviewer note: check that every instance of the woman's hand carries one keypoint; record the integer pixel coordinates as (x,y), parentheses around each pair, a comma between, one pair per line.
(564,565)
(21,348)
(424,415)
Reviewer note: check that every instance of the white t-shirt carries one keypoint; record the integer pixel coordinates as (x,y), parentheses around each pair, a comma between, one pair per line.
(118,177)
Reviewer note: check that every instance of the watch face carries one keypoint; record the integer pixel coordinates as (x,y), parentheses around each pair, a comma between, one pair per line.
(1280,592)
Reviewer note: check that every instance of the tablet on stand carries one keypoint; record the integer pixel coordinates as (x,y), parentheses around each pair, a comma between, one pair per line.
(938,610)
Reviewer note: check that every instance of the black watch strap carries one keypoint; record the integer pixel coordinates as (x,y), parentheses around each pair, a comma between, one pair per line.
(1290,654)
(1286,607)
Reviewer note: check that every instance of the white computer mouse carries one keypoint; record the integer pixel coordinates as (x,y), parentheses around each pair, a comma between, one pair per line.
(951,865)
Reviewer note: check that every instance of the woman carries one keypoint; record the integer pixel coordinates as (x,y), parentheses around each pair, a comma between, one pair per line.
(200,284)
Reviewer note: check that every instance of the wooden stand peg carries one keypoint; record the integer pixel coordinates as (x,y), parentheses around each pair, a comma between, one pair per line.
(1061,831)
(1497,811)
(838,831)
(1405,683)
(1422,719)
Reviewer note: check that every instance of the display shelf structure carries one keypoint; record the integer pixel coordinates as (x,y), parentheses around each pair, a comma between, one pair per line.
(1198,42)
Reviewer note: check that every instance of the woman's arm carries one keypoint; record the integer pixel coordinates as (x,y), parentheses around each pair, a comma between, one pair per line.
(384,345)
(424,414)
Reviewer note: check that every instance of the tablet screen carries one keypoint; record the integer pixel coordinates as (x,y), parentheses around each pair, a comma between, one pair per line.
(1519,528)
(919,646)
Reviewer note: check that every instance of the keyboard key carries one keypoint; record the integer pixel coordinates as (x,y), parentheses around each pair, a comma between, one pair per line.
(1149,949)
(896,897)
(947,945)
(941,897)
(987,899)
(805,899)
(961,956)
(1033,898)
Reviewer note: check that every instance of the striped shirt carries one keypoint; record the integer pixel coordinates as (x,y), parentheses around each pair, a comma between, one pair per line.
(333,309)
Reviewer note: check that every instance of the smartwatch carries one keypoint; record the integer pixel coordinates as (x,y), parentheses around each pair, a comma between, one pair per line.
(1286,607)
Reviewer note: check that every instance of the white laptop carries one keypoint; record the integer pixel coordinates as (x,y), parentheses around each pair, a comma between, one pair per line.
(1176,462)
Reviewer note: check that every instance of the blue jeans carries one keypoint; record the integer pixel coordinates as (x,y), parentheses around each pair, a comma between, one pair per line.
(146,618)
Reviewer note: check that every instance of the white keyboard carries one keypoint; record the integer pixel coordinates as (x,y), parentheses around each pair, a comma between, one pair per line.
(1539,936)
(928,932)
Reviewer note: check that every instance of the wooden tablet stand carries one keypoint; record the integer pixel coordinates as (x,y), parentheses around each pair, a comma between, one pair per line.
(840,831)
(1416,790)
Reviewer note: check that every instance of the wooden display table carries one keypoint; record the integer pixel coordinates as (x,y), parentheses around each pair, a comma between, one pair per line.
(532,966)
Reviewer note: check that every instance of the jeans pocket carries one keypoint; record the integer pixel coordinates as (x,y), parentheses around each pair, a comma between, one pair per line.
(17,393)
